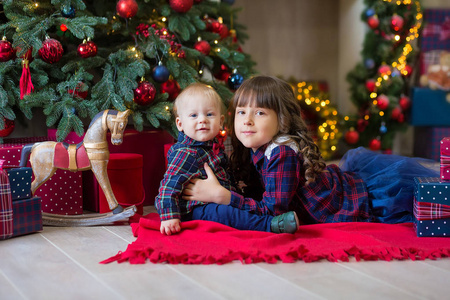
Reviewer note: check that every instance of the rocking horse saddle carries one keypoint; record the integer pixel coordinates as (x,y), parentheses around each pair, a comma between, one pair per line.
(70,156)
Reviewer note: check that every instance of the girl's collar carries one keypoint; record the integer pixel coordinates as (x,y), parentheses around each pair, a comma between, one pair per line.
(266,150)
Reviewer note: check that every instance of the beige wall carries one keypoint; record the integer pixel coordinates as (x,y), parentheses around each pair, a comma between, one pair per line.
(296,38)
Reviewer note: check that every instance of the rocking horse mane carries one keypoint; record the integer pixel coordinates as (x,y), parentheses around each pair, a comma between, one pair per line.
(100,114)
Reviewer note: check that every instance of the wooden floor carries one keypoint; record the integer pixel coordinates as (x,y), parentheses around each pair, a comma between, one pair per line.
(63,263)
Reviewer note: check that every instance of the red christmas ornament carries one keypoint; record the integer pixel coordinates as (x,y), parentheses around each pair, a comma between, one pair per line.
(181,6)
(404,102)
(382,102)
(145,93)
(171,87)
(78,92)
(397,22)
(375,144)
(219,28)
(51,51)
(8,128)
(401,118)
(87,49)
(6,50)
(370,85)
(384,69)
(361,125)
(352,136)
(127,8)
(408,70)
(84,50)
(373,21)
(202,47)
(63,27)
(396,112)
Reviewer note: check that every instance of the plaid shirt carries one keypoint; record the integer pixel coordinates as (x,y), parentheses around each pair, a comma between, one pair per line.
(185,162)
(335,196)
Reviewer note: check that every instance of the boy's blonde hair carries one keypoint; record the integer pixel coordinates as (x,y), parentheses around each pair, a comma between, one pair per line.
(194,89)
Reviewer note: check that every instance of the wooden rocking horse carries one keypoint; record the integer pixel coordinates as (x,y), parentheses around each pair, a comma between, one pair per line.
(92,153)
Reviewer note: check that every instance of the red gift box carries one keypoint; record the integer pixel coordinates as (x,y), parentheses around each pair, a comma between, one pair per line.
(150,144)
(71,138)
(445,149)
(125,177)
(62,193)
(445,159)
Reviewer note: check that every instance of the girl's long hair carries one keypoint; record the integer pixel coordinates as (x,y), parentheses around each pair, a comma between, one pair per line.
(276,94)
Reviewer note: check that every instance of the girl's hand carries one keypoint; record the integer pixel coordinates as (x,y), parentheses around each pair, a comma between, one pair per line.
(169,227)
(207,190)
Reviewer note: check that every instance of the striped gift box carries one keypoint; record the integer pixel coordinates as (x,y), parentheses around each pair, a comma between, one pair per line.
(6,210)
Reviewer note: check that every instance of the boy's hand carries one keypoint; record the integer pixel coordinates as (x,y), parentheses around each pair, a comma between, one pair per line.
(169,227)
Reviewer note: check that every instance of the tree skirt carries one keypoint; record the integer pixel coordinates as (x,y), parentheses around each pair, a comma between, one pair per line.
(204,242)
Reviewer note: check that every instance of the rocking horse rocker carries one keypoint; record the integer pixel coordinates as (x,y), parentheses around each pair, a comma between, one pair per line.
(92,153)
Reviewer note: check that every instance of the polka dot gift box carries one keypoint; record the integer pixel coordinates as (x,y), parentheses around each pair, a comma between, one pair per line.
(20,182)
(431,207)
(445,159)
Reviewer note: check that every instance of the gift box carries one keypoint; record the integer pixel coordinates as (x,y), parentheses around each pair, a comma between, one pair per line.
(150,144)
(6,211)
(62,193)
(427,141)
(429,108)
(125,176)
(20,182)
(436,31)
(445,159)
(431,207)
(27,216)
(71,138)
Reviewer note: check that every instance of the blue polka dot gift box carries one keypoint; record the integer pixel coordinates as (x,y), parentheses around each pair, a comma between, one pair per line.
(431,207)
(20,182)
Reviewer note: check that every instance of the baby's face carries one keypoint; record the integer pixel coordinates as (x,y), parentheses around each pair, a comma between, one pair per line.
(199,117)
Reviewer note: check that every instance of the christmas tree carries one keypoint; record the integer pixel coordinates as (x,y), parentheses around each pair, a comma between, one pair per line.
(380,84)
(74,58)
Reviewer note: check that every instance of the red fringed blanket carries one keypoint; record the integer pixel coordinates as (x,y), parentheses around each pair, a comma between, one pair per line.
(204,242)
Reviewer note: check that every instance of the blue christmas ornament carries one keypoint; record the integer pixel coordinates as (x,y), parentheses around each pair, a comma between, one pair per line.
(369,63)
(230,2)
(235,80)
(370,12)
(160,74)
(383,128)
(68,12)
(395,73)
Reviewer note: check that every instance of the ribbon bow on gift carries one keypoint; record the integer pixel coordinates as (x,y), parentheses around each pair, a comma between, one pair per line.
(431,211)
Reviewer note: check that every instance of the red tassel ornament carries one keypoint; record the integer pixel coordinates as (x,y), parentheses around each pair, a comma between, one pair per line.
(26,86)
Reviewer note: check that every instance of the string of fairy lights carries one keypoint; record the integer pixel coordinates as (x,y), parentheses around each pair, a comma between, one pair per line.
(316,100)
(400,64)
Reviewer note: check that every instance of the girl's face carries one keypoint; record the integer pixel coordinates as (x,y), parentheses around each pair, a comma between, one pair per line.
(255,126)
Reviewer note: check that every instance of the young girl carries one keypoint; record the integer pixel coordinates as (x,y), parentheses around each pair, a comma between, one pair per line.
(270,136)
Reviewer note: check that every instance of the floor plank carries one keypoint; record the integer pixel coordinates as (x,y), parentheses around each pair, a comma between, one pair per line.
(42,271)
